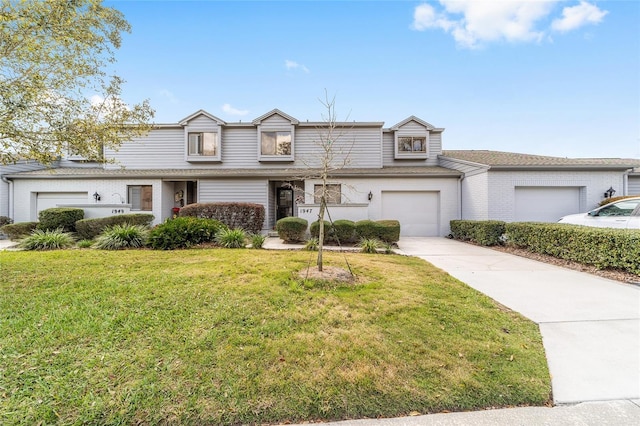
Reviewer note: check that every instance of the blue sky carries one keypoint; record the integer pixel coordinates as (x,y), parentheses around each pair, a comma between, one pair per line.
(544,77)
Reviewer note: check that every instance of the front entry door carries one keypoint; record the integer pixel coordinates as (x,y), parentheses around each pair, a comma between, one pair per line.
(284,207)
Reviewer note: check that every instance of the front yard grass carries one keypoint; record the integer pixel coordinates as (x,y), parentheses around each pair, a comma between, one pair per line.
(232,336)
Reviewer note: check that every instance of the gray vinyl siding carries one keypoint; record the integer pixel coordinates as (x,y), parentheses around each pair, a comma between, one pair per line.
(240,149)
(634,185)
(434,148)
(236,190)
(160,149)
(359,146)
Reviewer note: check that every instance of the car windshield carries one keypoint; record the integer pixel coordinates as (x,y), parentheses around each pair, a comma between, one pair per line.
(621,208)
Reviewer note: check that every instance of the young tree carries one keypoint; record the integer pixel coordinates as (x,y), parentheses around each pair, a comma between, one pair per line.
(333,154)
(55,95)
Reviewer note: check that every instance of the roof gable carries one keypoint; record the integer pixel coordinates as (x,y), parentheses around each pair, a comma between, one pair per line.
(198,113)
(275,112)
(413,118)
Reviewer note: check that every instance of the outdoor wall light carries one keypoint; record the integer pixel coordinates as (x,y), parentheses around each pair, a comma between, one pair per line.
(609,192)
(370,196)
(96,196)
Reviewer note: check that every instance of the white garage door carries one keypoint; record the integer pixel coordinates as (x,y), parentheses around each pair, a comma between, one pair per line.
(47,200)
(545,204)
(417,211)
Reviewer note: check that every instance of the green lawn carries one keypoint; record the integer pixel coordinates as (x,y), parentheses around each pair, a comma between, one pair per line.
(231,336)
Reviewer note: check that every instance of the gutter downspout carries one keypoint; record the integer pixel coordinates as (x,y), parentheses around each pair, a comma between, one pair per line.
(625,182)
(460,179)
(10,196)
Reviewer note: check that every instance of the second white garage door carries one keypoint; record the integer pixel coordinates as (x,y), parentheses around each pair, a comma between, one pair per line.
(545,204)
(417,211)
(47,200)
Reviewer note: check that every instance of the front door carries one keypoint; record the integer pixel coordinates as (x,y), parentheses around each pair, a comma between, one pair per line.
(284,206)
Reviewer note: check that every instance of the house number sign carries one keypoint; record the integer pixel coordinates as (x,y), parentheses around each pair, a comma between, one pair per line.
(307,210)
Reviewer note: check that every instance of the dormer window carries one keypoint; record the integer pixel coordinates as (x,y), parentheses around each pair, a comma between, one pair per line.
(276,145)
(409,144)
(412,147)
(203,146)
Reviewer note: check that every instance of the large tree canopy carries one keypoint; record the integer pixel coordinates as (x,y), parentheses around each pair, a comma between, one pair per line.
(55,94)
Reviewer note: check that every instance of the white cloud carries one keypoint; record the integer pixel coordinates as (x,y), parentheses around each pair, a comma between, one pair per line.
(578,16)
(473,23)
(233,111)
(293,65)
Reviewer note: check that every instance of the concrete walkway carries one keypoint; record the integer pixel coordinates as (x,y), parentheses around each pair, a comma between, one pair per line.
(590,326)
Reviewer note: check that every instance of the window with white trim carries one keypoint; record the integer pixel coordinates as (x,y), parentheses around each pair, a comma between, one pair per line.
(333,193)
(408,144)
(275,145)
(140,197)
(411,147)
(202,144)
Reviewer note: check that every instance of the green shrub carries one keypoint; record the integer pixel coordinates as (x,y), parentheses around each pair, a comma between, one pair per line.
(601,247)
(50,239)
(483,232)
(292,229)
(231,238)
(184,232)
(314,230)
(15,231)
(312,244)
(91,228)
(64,218)
(124,236)
(247,216)
(257,240)
(344,231)
(387,231)
(369,245)
(4,220)
(84,244)
(366,229)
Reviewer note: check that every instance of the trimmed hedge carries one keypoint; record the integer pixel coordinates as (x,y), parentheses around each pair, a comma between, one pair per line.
(345,231)
(314,230)
(601,247)
(4,220)
(387,231)
(90,228)
(64,218)
(183,232)
(483,232)
(246,216)
(16,231)
(292,229)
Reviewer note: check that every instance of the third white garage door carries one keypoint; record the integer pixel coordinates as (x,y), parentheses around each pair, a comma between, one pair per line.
(545,204)
(417,211)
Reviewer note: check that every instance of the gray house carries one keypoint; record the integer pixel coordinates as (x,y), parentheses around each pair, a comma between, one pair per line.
(398,172)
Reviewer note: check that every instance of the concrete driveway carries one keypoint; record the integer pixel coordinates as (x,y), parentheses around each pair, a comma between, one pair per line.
(590,326)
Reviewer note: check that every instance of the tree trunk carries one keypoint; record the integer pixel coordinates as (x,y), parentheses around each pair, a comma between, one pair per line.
(321,233)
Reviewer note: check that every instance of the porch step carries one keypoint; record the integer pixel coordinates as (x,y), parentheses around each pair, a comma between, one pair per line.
(272,234)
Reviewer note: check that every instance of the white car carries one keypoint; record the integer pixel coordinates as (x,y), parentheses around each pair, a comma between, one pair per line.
(623,214)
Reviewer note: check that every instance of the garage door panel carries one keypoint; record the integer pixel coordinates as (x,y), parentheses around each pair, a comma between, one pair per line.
(545,204)
(47,200)
(417,211)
